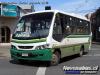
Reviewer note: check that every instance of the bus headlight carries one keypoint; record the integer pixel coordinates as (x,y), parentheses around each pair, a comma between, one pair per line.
(42,46)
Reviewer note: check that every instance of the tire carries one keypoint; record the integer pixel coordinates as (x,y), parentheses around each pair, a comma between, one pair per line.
(55,58)
(20,61)
(81,52)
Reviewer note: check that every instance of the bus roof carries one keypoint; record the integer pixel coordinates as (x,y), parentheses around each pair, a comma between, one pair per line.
(57,11)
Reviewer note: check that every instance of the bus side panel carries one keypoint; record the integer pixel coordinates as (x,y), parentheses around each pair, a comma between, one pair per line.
(77,48)
(67,51)
(86,46)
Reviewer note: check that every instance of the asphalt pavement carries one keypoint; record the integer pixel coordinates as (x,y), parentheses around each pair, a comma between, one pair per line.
(10,67)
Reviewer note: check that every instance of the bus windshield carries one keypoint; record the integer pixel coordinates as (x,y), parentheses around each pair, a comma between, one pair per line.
(33,26)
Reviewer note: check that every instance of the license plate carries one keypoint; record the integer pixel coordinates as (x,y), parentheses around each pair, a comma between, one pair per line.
(24,54)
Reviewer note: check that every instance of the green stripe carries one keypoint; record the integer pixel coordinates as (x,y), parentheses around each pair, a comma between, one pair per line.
(78,36)
(29,41)
(71,45)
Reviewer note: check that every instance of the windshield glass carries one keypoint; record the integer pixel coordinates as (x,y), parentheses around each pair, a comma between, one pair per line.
(34,26)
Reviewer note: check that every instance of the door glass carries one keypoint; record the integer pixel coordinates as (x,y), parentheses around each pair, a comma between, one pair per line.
(57,29)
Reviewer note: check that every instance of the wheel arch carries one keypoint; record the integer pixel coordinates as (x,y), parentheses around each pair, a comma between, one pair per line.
(57,49)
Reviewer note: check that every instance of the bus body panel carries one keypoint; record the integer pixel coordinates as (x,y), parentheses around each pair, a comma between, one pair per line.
(72,44)
(42,55)
(43,48)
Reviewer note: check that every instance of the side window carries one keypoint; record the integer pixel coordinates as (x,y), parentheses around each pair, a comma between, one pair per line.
(72,25)
(69,26)
(87,27)
(65,22)
(80,27)
(57,26)
(83,27)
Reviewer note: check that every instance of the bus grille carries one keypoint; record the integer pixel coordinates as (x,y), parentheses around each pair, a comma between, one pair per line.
(25,47)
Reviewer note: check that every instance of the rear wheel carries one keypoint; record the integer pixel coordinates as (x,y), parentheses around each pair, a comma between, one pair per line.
(81,52)
(55,58)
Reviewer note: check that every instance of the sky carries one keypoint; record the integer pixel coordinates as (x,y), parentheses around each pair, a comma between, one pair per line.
(81,7)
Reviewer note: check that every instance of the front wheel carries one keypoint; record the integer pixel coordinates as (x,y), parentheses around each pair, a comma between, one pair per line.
(55,58)
(20,61)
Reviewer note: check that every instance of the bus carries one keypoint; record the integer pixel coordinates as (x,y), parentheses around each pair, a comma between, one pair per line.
(50,35)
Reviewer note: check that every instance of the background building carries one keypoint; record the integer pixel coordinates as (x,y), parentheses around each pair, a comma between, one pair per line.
(95,24)
(28,8)
(9,15)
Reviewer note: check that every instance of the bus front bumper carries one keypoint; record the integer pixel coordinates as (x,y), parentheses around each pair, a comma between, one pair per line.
(41,55)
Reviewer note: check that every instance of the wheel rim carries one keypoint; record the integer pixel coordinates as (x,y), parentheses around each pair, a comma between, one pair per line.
(55,58)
